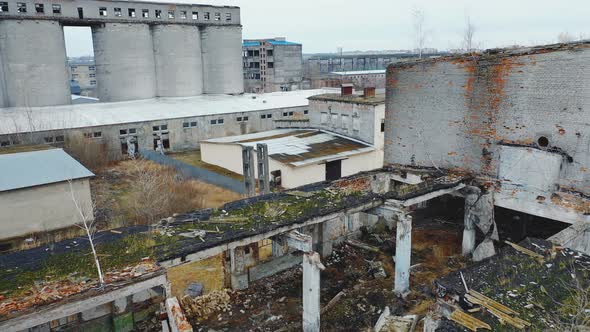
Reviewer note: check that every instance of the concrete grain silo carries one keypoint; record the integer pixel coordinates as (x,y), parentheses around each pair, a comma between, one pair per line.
(178,61)
(33,59)
(124,57)
(222,59)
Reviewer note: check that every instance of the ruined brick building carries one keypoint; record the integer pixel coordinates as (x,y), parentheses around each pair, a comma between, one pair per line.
(516,119)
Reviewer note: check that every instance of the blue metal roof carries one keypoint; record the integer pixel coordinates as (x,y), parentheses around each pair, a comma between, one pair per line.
(251,44)
(28,169)
(282,42)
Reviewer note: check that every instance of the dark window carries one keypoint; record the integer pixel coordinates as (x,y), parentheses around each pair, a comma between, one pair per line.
(132,130)
(185,125)
(246,250)
(220,121)
(48,139)
(183,14)
(269,52)
(92,82)
(56,9)
(250,53)
(228,17)
(80,12)
(102,11)
(92,68)
(269,116)
(131,12)
(145,13)
(123,132)
(206,16)
(21,7)
(213,122)
(245,118)
(156,128)
(333,170)
(285,114)
(306,112)
(195,15)
(271,65)
(383,125)
(290,113)
(263,116)
(97,134)
(239,119)
(59,138)
(166,143)
(39,8)
(3,7)
(218,16)
(164,127)
(171,14)
(118,12)
(4,143)
(256,53)
(194,124)
(158,13)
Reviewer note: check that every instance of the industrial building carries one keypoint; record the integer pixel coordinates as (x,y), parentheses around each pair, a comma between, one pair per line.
(41,190)
(360,79)
(509,117)
(296,156)
(84,73)
(135,50)
(179,123)
(272,65)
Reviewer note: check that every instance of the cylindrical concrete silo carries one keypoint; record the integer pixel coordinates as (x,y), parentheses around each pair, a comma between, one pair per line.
(124,57)
(222,59)
(33,56)
(179,66)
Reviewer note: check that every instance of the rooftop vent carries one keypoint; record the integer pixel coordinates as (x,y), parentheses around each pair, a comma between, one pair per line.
(346,89)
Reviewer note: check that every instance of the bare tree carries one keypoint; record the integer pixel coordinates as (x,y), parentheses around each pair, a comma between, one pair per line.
(87,223)
(419,30)
(565,37)
(468,33)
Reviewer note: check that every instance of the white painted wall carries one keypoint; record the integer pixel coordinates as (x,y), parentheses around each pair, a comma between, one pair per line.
(42,208)
(228,156)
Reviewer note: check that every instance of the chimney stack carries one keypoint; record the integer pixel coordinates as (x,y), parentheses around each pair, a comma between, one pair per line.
(346,89)
(369,92)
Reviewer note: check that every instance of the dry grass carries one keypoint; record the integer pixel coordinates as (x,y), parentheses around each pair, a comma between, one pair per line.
(194,158)
(141,192)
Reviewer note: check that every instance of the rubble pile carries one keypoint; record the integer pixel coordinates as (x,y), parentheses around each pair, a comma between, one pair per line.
(202,307)
(45,292)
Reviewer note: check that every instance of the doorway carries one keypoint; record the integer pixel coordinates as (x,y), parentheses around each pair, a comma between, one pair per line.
(333,170)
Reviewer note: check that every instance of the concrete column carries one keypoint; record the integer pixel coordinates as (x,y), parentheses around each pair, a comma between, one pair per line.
(311,291)
(248,170)
(471,196)
(263,169)
(403,253)
(239,277)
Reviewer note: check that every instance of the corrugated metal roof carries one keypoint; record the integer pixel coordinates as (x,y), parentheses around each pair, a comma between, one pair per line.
(35,168)
(282,42)
(251,44)
(359,72)
(300,147)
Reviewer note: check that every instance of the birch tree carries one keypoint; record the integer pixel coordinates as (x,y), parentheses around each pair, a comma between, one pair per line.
(468,33)
(88,224)
(419,30)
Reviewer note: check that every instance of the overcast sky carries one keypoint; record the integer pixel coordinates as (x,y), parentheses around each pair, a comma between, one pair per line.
(324,25)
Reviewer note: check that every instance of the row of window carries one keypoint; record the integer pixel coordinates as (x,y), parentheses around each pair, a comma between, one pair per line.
(21,7)
(95,134)
(253,53)
(90,68)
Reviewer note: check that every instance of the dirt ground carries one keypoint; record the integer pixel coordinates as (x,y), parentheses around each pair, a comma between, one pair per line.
(274,303)
(122,190)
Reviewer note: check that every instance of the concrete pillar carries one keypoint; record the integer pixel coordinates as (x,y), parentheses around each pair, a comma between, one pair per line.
(263,169)
(239,277)
(311,291)
(124,57)
(471,197)
(248,168)
(403,253)
(34,64)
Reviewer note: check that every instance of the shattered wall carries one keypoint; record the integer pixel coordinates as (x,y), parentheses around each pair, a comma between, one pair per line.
(455,112)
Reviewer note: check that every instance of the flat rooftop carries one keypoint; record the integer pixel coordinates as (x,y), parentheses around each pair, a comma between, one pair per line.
(23,120)
(354,98)
(358,72)
(298,147)
(41,167)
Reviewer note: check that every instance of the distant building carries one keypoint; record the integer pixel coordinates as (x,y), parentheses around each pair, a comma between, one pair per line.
(84,73)
(35,192)
(359,79)
(272,65)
